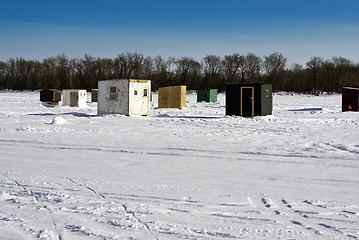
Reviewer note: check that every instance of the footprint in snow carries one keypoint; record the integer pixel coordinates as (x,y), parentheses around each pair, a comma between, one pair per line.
(266,203)
(286,203)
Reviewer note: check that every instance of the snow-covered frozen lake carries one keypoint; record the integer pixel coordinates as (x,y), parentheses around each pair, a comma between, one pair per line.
(67,173)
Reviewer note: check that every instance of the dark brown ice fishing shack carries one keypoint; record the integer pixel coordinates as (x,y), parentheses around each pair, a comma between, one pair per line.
(51,96)
(350,99)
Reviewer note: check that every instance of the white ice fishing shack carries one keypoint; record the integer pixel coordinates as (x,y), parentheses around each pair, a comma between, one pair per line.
(124,96)
(74,98)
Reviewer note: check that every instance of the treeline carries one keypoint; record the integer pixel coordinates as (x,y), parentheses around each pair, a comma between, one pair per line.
(212,72)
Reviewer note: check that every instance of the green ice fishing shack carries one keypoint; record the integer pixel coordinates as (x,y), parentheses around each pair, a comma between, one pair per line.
(249,99)
(207,95)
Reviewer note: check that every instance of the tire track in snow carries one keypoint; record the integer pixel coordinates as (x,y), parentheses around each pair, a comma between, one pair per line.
(308,179)
(182,152)
(179,230)
(31,193)
(342,148)
(124,207)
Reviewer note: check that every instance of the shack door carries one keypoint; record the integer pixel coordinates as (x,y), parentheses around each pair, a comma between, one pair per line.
(139,99)
(135,102)
(247,101)
(145,102)
(74,99)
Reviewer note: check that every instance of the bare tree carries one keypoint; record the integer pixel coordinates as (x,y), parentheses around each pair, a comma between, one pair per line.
(162,72)
(342,67)
(295,79)
(35,75)
(212,68)
(2,75)
(314,66)
(122,65)
(63,80)
(48,74)
(135,64)
(233,68)
(187,71)
(213,71)
(274,65)
(147,68)
(252,67)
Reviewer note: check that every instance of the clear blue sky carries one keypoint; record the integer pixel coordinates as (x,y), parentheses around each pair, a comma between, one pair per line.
(180,28)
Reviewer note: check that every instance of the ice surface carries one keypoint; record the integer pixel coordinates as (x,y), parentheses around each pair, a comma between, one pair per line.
(68,173)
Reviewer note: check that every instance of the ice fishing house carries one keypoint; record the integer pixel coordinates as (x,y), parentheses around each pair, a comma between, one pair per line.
(350,99)
(248,100)
(124,96)
(51,96)
(207,95)
(172,97)
(74,97)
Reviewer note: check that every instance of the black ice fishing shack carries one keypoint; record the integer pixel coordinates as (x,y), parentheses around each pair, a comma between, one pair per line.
(249,99)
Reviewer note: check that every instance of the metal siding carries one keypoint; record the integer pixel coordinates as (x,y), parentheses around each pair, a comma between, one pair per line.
(121,104)
(266,102)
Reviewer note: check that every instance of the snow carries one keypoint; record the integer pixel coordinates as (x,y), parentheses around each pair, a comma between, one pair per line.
(68,173)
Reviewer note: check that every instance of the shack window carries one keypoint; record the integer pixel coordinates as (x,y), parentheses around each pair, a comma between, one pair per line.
(113,94)
(267,92)
(145,92)
(135,92)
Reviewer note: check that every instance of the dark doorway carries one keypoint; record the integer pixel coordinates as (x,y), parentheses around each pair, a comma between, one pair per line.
(74,99)
(247,104)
